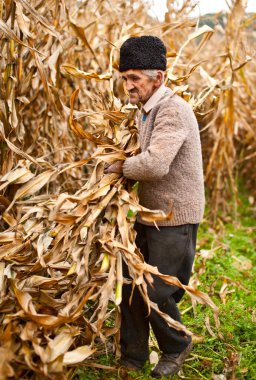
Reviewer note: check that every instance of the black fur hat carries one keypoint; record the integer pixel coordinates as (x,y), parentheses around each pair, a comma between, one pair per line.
(144,53)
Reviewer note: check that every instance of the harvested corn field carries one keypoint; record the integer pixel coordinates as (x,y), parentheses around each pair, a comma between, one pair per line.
(66,226)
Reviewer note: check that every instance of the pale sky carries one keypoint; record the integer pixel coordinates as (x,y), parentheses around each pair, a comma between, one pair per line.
(205,6)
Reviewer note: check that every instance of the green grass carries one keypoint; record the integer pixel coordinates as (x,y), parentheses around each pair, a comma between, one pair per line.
(229,350)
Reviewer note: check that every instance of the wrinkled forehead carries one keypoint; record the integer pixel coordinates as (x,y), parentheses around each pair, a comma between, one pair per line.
(133,74)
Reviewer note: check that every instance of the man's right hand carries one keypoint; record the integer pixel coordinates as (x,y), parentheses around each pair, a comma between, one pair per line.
(116,167)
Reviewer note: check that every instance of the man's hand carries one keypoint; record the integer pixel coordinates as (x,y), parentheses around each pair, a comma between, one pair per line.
(116,167)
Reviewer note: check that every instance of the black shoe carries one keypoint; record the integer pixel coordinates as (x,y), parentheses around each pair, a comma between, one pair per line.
(169,364)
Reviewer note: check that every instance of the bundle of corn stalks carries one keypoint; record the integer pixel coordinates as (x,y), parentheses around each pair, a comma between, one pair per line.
(66,227)
(61,264)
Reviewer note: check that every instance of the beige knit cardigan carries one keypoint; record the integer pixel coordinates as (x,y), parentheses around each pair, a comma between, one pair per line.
(169,167)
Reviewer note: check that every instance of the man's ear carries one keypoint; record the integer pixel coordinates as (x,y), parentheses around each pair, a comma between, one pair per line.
(160,77)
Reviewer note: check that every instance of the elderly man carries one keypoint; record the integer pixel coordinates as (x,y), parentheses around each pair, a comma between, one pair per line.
(170,175)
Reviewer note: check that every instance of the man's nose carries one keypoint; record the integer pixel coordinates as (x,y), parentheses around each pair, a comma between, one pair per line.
(129,85)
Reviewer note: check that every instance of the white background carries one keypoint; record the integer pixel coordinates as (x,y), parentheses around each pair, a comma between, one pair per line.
(205,6)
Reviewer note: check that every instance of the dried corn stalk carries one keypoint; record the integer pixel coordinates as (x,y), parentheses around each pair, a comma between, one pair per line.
(62,259)
(65,226)
(65,251)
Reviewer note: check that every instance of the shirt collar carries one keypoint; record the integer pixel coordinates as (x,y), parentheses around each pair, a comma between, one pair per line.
(154,99)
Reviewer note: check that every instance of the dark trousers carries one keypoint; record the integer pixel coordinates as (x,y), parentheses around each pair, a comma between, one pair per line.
(172,250)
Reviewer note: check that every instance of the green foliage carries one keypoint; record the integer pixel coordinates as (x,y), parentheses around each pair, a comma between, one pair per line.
(135,186)
(130,214)
(227,275)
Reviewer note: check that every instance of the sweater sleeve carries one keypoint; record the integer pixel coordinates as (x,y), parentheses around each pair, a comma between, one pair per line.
(169,133)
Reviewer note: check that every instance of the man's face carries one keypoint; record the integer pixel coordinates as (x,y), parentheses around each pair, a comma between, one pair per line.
(139,86)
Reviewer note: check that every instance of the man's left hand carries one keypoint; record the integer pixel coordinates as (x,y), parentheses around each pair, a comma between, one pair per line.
(116,167)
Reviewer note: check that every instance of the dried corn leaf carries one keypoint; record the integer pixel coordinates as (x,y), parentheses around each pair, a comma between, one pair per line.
(84,75)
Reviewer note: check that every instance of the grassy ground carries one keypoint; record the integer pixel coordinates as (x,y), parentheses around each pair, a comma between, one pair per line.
(223,269)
